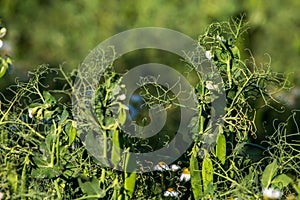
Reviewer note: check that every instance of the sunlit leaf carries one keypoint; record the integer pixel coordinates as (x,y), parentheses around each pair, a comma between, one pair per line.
(268,174)
(91,188)
(282,180)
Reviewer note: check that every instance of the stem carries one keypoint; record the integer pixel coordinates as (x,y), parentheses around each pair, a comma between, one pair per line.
(57,189)
(229,73)
(23,178)
(239,92)
(236,183)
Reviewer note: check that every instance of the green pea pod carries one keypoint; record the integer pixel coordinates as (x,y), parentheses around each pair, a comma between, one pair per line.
(195,176)
(115,153)
(130,178)
(3,67)
(221,146)
(207,173)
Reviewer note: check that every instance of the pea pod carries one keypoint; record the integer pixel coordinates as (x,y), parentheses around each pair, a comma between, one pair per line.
(195,176)
(3,67)
(207,173)
(130,178)
(221,146)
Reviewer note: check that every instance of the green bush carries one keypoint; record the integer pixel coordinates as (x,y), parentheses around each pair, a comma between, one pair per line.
(43,157)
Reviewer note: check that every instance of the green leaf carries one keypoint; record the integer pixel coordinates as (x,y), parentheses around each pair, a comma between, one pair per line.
(48,114)
(49,99)
(207,173)
(268,174)
(64,116)
(98,150)
(221,146)
(91,188)
(195,176)
(45,172)
(282,180)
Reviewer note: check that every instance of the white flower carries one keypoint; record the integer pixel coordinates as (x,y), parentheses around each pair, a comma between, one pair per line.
(30,112)
(220,38)
(1,43)
(2,32)
(1,195)
(174,168)
(186,175)
(272,193)
(122,97)
(161,166)
(209,85)
(208,55)
(171,193)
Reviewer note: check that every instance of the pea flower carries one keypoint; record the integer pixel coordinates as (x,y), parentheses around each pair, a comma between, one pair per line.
(271,193)
(186,175)
(220,38)
(174,168)
(122,97)
(1,195)
(2,34)
(171,193)
(30,114)
(208,55)
(161,166)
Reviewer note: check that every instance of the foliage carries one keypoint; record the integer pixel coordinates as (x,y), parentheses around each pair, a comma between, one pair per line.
(42,156)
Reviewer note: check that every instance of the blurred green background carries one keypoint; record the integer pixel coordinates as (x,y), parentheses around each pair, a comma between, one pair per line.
(64,31)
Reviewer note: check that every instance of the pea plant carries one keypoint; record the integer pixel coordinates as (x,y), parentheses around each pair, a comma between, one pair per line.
(43,155)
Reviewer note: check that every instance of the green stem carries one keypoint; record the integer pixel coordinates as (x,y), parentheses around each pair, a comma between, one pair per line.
(57,189)
(23,179)
(235,183)
(229,73)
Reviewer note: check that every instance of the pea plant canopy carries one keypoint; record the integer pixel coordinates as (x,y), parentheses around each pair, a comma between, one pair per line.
(43,157)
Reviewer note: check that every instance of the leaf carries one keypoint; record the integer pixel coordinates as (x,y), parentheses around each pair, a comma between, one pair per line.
(45,172)
(195,176)
(48,114)
(96,147)
(221,146)
(207,173)
(268,174)
(49,99)
(282,180)
(91,188)
(64,116)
